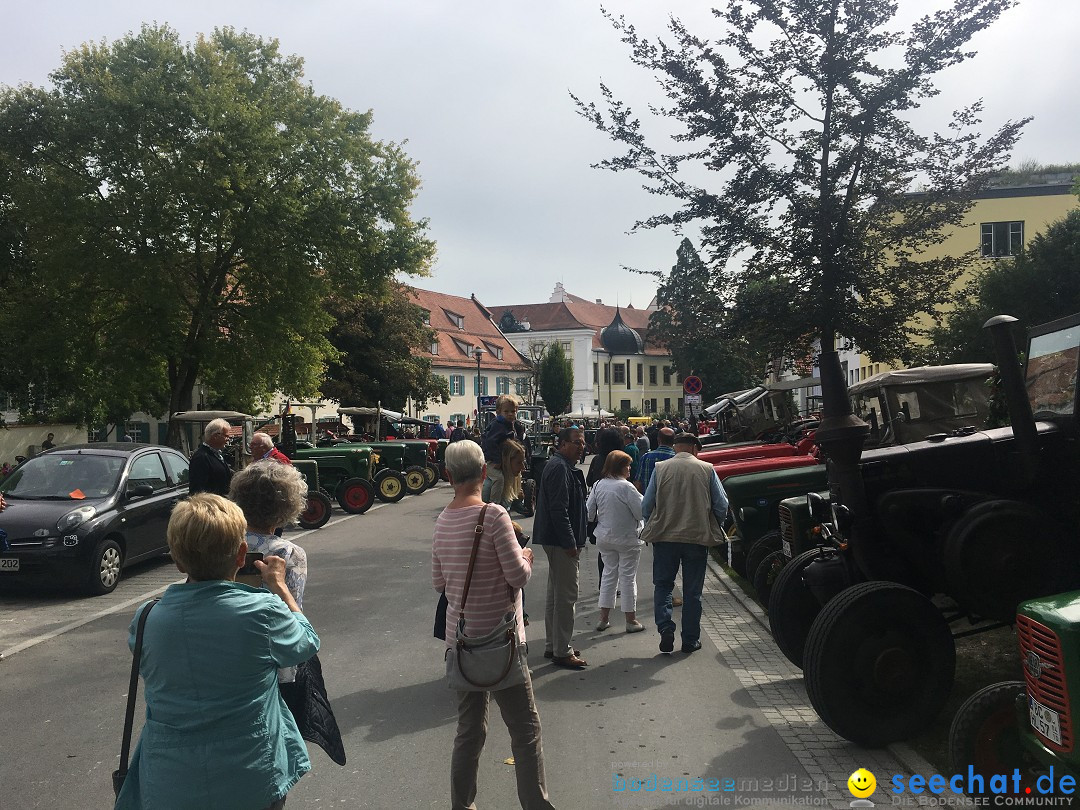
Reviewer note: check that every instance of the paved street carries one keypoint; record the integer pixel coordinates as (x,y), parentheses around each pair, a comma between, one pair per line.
(734,711)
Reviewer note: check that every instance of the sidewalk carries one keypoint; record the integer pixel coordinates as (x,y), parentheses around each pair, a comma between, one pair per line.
(734,716)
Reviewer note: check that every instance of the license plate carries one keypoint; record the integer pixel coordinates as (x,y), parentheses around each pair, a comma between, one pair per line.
(9,564)
(1045,721)
(786,544)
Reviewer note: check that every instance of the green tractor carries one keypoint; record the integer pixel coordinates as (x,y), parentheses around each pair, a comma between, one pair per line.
(1030,725)
(407,458)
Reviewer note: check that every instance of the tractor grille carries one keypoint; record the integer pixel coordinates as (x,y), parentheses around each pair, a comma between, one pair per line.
(787,529)
(1046,683)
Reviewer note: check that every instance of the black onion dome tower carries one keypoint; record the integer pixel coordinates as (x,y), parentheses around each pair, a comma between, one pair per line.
(618,338)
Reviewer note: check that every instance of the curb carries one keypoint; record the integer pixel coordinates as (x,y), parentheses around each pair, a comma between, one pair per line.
(907,756)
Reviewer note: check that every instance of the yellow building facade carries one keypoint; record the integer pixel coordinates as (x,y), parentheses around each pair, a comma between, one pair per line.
(998,225)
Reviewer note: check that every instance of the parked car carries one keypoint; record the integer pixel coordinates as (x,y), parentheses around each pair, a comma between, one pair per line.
(81,513)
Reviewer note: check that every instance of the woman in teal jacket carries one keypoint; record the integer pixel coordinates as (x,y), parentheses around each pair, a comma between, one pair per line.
(217,735)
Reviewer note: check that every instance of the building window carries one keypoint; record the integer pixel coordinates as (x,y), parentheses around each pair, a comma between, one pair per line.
(618,374)
(480,386)
(667,375)
(435,347)
(652,375)
(521,386)
(1002,238)
(455,319)
(667,405)
(595,372)
(567,348)
(502,385)
(427,317)
(640,373)
(457,385)
(607,366)
(624,404)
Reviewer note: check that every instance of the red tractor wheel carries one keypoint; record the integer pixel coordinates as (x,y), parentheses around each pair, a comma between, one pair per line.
(356,496)
(317,512)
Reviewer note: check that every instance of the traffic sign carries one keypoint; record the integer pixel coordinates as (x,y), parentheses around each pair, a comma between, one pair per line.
(692,399)
(692,385)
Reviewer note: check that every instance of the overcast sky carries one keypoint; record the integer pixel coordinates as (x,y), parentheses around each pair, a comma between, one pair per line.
(479,90)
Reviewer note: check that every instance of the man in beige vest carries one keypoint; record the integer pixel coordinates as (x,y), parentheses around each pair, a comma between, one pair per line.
(684,510)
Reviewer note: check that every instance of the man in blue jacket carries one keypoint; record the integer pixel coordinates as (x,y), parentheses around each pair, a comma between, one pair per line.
(559,527)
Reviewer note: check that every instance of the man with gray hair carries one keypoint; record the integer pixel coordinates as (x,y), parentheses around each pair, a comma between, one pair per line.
(208,471)
(262,447)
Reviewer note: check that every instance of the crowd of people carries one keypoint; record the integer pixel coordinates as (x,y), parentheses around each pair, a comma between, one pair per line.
(640,489)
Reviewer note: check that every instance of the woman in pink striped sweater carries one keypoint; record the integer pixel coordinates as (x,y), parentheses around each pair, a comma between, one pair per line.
(502,569)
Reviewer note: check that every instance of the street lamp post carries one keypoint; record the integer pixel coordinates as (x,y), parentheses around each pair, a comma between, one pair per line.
(478,352)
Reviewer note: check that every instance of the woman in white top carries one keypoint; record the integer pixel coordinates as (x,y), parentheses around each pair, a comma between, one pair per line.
(615,504)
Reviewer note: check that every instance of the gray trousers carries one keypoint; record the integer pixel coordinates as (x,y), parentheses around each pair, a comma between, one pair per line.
(522,721)
(562,595)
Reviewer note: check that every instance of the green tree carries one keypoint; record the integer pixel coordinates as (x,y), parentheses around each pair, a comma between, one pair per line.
(173,213)
(800,109)
(692,327)
(556,380)
(1039,285)
(379,337)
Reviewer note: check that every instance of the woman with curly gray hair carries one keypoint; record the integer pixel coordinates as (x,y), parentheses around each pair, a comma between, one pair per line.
(271,495)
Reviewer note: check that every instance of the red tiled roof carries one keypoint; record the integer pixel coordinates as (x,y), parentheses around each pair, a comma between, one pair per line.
(577,313)
(456,342)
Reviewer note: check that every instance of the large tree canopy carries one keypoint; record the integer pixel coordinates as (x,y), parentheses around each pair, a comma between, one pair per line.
(175,212)
(1039,285)
(799,109)
(691,325)
(382,340)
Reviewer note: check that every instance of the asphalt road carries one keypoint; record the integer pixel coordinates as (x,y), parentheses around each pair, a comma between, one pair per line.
(633,713)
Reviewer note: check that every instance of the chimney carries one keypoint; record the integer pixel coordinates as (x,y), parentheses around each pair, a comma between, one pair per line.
(600,300)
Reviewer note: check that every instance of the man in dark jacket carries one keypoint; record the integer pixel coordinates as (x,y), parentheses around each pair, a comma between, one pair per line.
(208,471)
(559,526)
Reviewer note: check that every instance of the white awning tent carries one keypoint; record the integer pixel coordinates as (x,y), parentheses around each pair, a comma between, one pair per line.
(595,413)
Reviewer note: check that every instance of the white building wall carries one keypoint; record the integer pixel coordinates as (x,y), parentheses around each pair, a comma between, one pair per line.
(580,355)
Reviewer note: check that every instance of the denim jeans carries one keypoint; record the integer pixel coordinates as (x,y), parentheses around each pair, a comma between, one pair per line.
(666,560)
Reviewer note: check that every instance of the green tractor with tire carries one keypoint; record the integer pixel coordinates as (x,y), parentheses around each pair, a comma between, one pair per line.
(942,536)
(1029,725)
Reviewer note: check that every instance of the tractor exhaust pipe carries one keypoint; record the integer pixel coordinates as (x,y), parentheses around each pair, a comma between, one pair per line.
(1016,398)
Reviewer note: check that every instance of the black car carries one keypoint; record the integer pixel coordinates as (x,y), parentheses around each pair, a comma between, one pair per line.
(85,511)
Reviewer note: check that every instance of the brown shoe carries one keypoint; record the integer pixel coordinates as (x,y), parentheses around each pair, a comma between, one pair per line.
(551,653)
(676,601)
(570,662)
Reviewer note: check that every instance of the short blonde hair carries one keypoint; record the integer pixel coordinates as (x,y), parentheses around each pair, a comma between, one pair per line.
(504,400)
(465,462)
(270,493)
(204,534)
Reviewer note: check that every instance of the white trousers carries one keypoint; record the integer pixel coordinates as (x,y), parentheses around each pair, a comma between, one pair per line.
(620,573)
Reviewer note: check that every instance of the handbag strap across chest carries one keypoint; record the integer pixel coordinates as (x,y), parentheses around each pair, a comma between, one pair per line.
(478,532)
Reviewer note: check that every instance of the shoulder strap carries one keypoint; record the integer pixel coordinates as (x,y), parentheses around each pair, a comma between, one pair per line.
(133,688)
(478,532)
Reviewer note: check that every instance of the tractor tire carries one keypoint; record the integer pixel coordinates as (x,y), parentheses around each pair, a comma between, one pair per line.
(431,472)
(390,486)
(766,575)
(879,663)
(415,480)
(792,608)
(986,735)
(759,550)
(355,495)
(317,513)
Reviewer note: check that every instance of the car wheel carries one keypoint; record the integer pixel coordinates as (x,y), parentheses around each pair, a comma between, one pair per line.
(431,472)
(879,663)
(390,486)
(104,573)
(986,733)
(317,513)
(415,480)
(356,496)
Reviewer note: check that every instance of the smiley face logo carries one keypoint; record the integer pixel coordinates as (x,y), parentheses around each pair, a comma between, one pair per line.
(861,783)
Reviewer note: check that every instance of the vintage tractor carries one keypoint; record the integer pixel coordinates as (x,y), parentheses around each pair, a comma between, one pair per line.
(1029,725)
(901,407)
(341,471)
(961,526)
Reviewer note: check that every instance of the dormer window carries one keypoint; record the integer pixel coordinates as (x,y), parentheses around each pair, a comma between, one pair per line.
(494,351)
(435,347)
(427,318)
(456,319)
(464,348)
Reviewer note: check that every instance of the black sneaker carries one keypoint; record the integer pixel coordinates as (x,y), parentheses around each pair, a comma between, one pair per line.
(691,646)
(667,641)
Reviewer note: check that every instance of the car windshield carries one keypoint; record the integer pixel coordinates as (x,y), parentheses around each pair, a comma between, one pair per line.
(1051,372)
(64,477)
